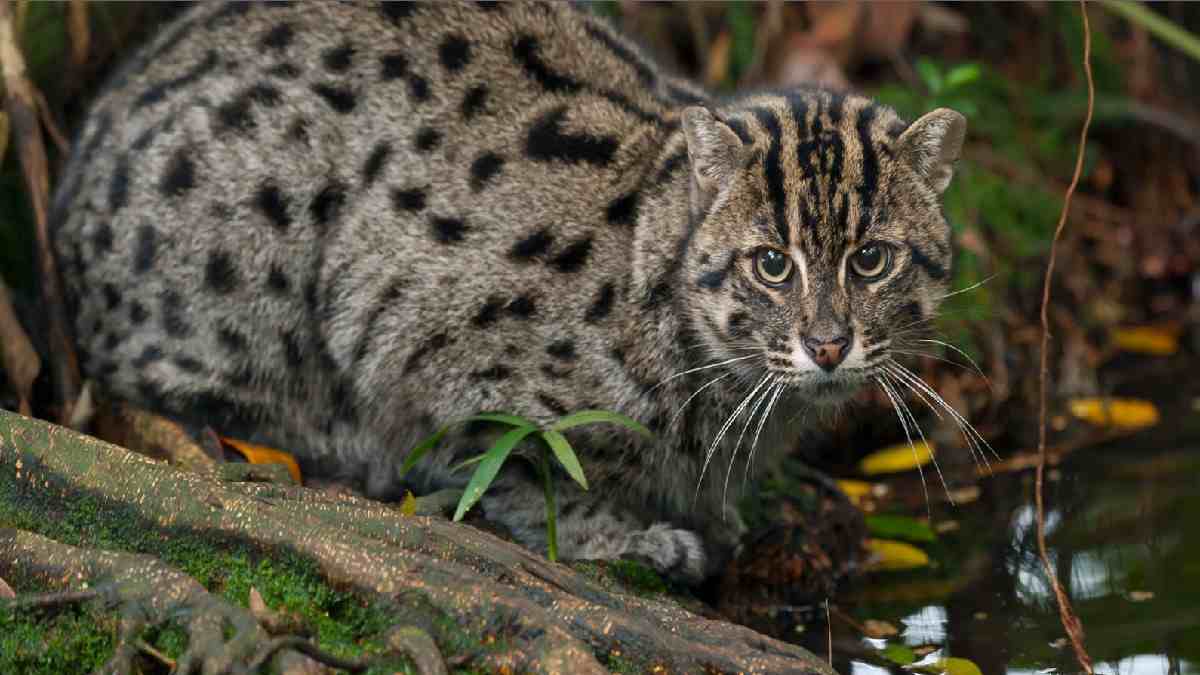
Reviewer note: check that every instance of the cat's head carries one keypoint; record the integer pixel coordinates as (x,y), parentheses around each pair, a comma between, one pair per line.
(818,244)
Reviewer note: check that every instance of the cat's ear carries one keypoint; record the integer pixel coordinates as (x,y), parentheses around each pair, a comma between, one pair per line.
(932,144)
(714,150)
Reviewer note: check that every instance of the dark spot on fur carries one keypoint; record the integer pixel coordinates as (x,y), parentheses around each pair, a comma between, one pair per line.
(603,303)
(474,101)
(292,351)
(546,141)
(418,88)
(180,175)
(285,71)
(118,185)
(298,131)
(554,373)
(552,404)
(489,313)
(232,340)
(327,203)
(484,168)
(527,52)
(112,296)
(235,113)
(102,238)
(434,343)
(454,53)
(448,230)
(564,350)
(412,199)
(495,373)
(712,280)
(522,307)
(279,37)
(172,309)
(396,12)
(144,249)
(338,59)
(532,246)
(340,99)
(159,90)
(374,164)
(738,324)
(188,364)
(573,257)
(277,281)
(623,210)
(137,313)
(274,205)
(150,354)
(426,139)
(393,66)
(220,274)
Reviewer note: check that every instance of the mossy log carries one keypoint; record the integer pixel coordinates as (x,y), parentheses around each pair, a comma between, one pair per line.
(427,568)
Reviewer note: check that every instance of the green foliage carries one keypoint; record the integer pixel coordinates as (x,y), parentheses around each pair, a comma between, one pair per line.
(554,444)
(899,527)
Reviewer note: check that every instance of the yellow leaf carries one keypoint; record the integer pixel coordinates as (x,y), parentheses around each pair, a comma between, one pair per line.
(896,458)
(950,666)
(1153,340)
(895,555)
(408,507)
(261,454)
(855,489)
(1123,413)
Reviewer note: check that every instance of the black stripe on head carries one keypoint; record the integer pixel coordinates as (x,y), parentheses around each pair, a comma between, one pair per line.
(773,168)
(870,169)
(932,268)
(644,72)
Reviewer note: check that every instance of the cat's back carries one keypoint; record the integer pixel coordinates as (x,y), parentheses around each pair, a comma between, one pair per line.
(258,171)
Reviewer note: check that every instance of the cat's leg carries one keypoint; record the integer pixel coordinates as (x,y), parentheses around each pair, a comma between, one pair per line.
(591,527)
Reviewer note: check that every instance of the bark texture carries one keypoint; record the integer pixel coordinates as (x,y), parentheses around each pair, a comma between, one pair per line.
(559,621)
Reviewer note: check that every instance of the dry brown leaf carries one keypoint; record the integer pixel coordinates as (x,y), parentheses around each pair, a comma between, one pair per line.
(20,360)
(6,591)
(888,25)
(718,59)
(874,628)
(152,435)
(78,29)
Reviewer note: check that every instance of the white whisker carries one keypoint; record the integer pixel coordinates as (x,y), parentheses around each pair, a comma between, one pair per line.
(968,288)
(724,428)
(696,370)
(962,353)
(904,425)
(737,446)
(964,425)
(932,455)
(678,413)
(758,432)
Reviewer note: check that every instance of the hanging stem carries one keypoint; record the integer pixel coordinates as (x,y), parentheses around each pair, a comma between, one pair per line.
(551,508)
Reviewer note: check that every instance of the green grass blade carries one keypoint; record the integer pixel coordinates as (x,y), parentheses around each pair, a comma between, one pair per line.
(501,418)
(422,449)
(566,455)
(467,462)
(488,468)
(597,417)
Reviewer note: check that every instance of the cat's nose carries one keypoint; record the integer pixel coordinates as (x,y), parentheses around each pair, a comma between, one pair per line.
(827,352)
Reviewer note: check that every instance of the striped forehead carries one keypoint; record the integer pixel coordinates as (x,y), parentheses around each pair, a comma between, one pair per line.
(821,164)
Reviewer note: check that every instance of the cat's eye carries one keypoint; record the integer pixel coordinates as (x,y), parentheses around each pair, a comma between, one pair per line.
(871,261)
(772,267)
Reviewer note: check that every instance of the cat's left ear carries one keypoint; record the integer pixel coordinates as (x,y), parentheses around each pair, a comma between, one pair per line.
(714,150)
(932,144)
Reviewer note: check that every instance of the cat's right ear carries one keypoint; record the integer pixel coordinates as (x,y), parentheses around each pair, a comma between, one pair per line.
(714,151)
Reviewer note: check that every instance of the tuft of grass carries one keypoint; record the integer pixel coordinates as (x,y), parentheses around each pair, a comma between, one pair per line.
(554,444)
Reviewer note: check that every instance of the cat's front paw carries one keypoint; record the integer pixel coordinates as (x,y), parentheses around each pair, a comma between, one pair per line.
(678,554)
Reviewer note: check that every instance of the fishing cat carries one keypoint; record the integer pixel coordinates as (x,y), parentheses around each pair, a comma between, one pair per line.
(339,226)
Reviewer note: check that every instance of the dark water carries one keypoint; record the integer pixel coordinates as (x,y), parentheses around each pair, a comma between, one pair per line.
(1123,524)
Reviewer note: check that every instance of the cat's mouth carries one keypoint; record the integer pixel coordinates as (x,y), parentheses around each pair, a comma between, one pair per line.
(829,388)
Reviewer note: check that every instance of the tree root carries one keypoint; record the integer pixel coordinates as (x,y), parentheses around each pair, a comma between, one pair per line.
(551,619)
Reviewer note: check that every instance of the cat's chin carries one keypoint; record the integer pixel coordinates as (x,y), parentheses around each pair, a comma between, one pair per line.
(829,391)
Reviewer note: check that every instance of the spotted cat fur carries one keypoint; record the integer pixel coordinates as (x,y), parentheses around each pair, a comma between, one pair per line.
(337,226)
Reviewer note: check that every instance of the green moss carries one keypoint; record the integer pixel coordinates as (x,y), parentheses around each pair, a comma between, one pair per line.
(76,640)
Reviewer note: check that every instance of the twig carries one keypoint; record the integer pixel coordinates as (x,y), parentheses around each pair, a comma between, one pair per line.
(17,355)
(306,647)
(21,103)
(1070,621)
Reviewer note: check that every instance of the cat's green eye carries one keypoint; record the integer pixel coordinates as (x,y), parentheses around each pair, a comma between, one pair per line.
(772,267)
(871,261)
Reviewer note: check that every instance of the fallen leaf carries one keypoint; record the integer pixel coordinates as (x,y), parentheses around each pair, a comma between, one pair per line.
(899,527)
(950,666)
(1140,596)
(901,655)
(1152,340)
(874,628)
(6,591)
(855,489)
(260,454)
(408,507)
(18,358)
(896,458)
(895,555)
(1121,413)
